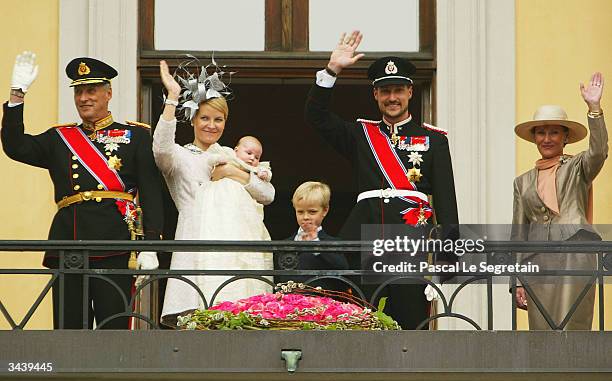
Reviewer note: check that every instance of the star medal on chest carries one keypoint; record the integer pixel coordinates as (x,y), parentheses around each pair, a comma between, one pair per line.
(415,158)
(414,173)
(114,162)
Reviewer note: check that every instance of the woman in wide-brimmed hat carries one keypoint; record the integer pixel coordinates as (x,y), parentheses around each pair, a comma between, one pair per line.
(553,202)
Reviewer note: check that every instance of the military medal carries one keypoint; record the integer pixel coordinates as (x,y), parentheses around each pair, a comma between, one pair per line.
(114,162)
(112,138)
(416,143)
(394,139)
(414,175)
(421,219)
(110,147)
(415,158)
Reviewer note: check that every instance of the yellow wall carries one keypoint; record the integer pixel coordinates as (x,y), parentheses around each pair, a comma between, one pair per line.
(560,43)
(26,191)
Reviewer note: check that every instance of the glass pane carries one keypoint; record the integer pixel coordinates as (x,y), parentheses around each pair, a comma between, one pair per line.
(230,25)
(387,25)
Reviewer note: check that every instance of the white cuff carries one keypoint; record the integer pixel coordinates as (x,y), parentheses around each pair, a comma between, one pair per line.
(325,80)
(14,104)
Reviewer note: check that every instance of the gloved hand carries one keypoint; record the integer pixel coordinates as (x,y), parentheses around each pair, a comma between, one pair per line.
(147,260)
(24,71)
(431,293)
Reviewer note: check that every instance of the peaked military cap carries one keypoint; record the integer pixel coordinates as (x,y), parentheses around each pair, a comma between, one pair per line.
(391,71)
(85,70)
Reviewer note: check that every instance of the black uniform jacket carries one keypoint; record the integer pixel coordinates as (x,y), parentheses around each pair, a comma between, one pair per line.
(88,220)
(312,261)
(349,139)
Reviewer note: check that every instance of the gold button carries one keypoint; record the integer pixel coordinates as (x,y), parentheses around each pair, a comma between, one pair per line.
(545,218)
(543,209)
(74,157)
(100,186)
(76,187)
(98,199)
(75,175)
(75,166)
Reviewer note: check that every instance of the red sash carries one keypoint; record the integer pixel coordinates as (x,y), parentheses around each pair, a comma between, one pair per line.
(89,156)
(394,171)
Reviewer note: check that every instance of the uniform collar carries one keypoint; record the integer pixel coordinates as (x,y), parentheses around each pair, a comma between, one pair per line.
(394,128)
(100,124)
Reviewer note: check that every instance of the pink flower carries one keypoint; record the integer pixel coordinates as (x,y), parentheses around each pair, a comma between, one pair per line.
(293,306)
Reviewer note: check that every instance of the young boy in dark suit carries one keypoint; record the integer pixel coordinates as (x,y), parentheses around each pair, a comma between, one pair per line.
(311,203)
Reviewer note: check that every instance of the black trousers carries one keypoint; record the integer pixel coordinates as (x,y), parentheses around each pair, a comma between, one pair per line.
(406,303)
(104,300)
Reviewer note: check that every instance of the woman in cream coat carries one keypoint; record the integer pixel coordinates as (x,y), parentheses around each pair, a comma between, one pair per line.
(553,202)
(187,170)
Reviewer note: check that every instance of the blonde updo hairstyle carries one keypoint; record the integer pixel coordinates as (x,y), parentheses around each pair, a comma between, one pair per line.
(219,104)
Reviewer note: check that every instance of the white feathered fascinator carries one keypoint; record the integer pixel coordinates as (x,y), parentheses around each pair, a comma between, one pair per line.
(201,86)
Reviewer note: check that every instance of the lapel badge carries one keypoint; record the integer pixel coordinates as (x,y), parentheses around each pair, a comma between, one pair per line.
(83,69)
(114,162)
(414,175)
(415,158)
(391,68)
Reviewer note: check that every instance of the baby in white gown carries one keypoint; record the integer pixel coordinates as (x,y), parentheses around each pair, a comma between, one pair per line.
(229,213)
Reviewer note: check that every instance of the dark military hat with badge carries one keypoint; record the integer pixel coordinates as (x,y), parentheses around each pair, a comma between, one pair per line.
(391,71)
(85,70)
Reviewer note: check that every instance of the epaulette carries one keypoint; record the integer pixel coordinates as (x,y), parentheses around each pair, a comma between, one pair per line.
(138,124)
(368,121)
(434,128)
(64,125)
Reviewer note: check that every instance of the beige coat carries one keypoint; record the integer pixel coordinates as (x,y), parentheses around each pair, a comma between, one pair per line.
(534,221)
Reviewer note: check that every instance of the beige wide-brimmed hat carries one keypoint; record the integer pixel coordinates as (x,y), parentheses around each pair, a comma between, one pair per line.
(551,115)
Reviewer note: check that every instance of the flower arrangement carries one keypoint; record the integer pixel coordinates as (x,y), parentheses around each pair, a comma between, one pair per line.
(294,306)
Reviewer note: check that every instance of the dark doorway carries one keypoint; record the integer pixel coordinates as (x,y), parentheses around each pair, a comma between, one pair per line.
(273,112)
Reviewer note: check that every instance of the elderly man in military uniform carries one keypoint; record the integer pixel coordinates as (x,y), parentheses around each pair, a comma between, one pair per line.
(98,168)
(399,163)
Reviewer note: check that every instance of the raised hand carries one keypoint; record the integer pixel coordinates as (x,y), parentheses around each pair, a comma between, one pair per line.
(344,53)
(173,88)
(24,72)
(592,93)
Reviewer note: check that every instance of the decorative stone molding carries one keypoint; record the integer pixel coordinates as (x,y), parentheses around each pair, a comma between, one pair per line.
(107,30)
(476,103)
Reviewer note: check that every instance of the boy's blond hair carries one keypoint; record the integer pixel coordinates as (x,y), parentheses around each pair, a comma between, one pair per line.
(312,191)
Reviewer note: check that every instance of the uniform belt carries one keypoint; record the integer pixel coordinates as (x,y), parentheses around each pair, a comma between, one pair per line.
(92,195)
(390,193)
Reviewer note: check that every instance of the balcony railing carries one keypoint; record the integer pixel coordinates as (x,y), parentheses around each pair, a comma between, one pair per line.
(73,260)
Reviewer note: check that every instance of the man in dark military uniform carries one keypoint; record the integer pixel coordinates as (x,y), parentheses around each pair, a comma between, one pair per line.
(399,164)
(97,168)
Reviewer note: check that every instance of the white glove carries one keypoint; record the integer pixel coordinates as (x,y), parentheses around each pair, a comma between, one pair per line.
(24,71)
(147,260)
(431,293)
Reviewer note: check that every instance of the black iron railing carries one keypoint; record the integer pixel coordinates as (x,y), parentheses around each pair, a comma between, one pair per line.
(73,259)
